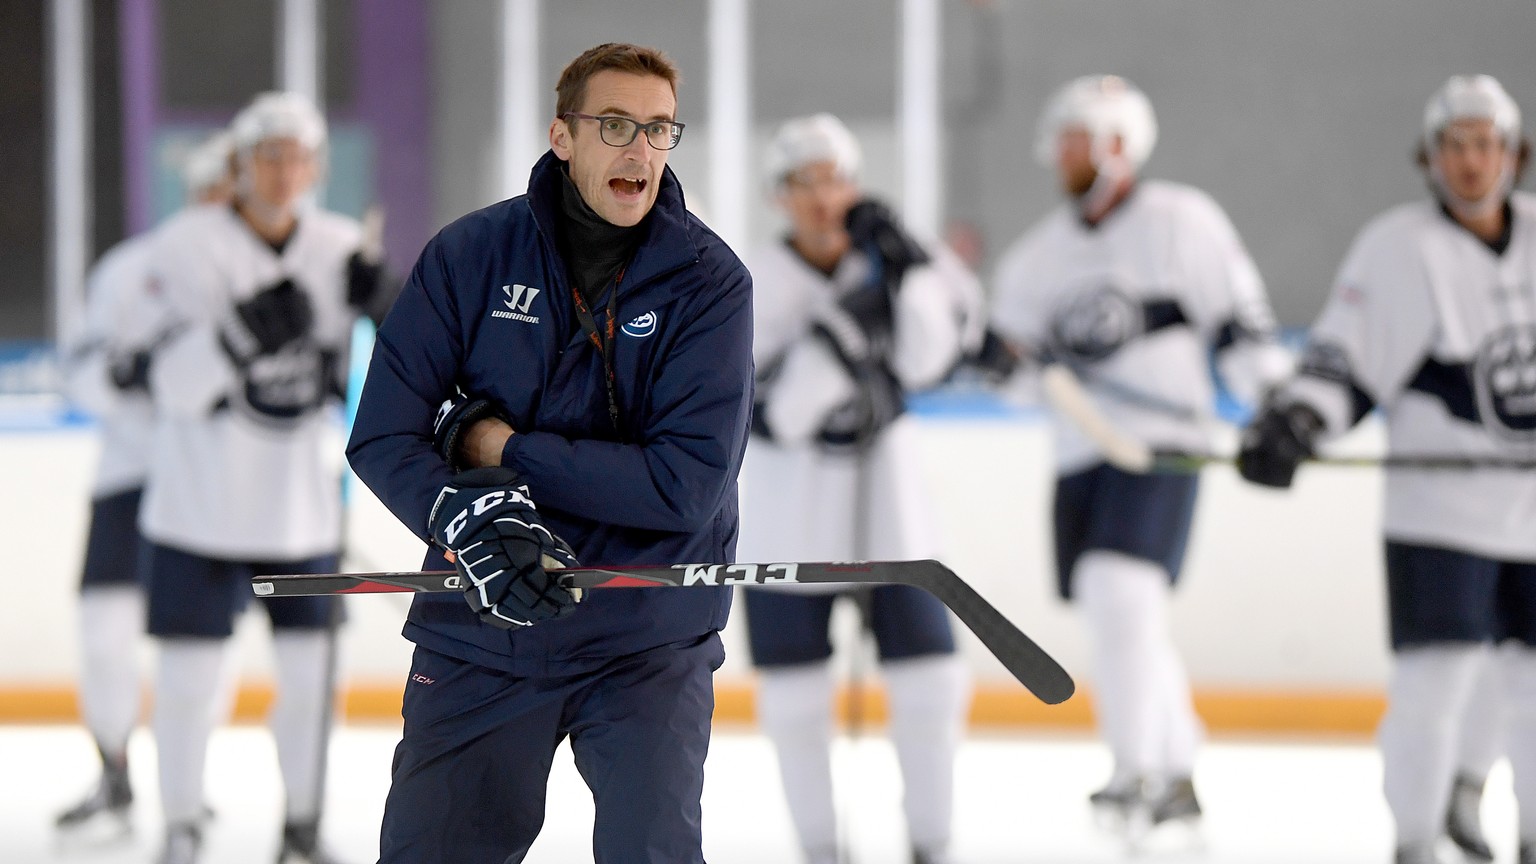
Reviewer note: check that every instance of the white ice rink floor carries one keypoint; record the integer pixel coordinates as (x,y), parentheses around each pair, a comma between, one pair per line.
(1021,798)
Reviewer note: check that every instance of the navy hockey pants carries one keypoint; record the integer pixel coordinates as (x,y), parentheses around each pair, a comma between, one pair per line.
(786,628)
(470,773)
(112,546)
(1439,595)
(1146,516)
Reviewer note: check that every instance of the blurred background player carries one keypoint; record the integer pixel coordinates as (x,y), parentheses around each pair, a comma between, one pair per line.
(1130,285)
(1433,317)
(851,314)
(243,479)
(108,375)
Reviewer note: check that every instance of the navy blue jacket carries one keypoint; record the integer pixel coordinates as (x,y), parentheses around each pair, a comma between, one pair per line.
(488,308)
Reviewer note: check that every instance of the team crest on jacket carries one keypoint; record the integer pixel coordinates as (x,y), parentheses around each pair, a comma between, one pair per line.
(517,299)
(641,326)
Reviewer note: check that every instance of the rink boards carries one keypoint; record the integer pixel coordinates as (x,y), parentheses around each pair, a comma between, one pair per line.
(1279,616)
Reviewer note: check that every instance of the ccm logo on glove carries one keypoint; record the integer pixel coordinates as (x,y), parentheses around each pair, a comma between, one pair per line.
(481,506)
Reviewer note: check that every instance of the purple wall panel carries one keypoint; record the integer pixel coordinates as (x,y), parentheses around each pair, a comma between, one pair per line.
(394,102)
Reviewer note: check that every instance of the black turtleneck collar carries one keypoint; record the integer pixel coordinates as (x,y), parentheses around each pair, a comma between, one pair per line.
(594,249)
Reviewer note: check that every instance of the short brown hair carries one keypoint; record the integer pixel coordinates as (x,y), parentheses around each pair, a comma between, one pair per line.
(571,89)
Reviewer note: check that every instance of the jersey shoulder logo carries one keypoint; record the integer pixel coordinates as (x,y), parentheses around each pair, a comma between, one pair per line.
(518,300)
(641,326)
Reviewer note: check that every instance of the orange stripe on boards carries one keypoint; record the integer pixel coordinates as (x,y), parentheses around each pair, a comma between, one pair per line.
(993,706)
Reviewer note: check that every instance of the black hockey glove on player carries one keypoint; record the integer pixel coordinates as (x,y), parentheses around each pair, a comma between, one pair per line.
(273,318)
(1276,442)
(501,549)
(130,372)
(454,418)
(873,226)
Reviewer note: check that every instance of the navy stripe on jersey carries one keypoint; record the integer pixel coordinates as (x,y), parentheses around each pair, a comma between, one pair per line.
(1451,383)
(1161,314)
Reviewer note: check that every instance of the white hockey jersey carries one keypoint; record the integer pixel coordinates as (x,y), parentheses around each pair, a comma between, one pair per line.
(245,462)
(119,317)
(1134,305)
(1429,323)
(803,501)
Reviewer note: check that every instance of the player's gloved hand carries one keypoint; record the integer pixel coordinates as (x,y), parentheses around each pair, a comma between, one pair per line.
(274,317)
(454,418)
(870,308)
(872,225)
(1276,442)
(502,549)
(130,372)
(368,289)
(994,360)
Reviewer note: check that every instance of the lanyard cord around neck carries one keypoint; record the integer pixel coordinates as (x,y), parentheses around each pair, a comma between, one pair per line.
(604,342)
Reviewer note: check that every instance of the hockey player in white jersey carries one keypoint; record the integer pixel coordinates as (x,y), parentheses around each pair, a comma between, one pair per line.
(106,373)
(263,295)
(851,314)
(1130,285)
(1433,318)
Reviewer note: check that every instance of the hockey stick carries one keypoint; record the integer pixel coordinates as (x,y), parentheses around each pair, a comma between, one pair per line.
(1068,396)
(1027,662)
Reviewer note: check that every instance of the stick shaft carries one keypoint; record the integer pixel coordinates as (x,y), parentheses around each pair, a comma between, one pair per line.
(1028,662)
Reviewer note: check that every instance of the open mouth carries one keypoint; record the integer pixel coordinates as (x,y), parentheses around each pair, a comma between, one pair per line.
(627,188)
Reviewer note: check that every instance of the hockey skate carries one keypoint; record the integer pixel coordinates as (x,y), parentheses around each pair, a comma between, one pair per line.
(1123,808)
(105,814)
(1176,802)
(1133,810)
(1464,819)
(929,856)
(183,844)
(301,845)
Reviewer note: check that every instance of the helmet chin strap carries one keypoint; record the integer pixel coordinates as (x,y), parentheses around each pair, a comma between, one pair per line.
(1474,208)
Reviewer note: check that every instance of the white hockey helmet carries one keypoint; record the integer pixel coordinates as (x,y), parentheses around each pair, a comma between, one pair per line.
(1472,97)
(807,140)
(278,114)
(1107,106)
(207,163)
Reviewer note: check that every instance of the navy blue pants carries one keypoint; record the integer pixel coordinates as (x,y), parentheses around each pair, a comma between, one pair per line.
(785,628)
(1144,516)
(1441,595)
(193,595)
(470,773)
(112,544)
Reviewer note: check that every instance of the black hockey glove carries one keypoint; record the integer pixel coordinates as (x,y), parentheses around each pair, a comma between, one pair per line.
(501,549)
(994,360)
(454,418)
(130,372)
(1276,442)
(863,349)
(276,316)
(874,227)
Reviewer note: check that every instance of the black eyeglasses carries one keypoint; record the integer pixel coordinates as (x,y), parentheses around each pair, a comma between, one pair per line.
(618,131)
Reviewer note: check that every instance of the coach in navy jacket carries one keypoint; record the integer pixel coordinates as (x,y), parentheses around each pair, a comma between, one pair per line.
(490,310)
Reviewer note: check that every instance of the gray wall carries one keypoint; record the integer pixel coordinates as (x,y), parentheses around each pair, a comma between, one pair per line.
(1298,116)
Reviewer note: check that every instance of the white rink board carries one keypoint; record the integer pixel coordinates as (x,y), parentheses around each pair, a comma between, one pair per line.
(1280,591)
